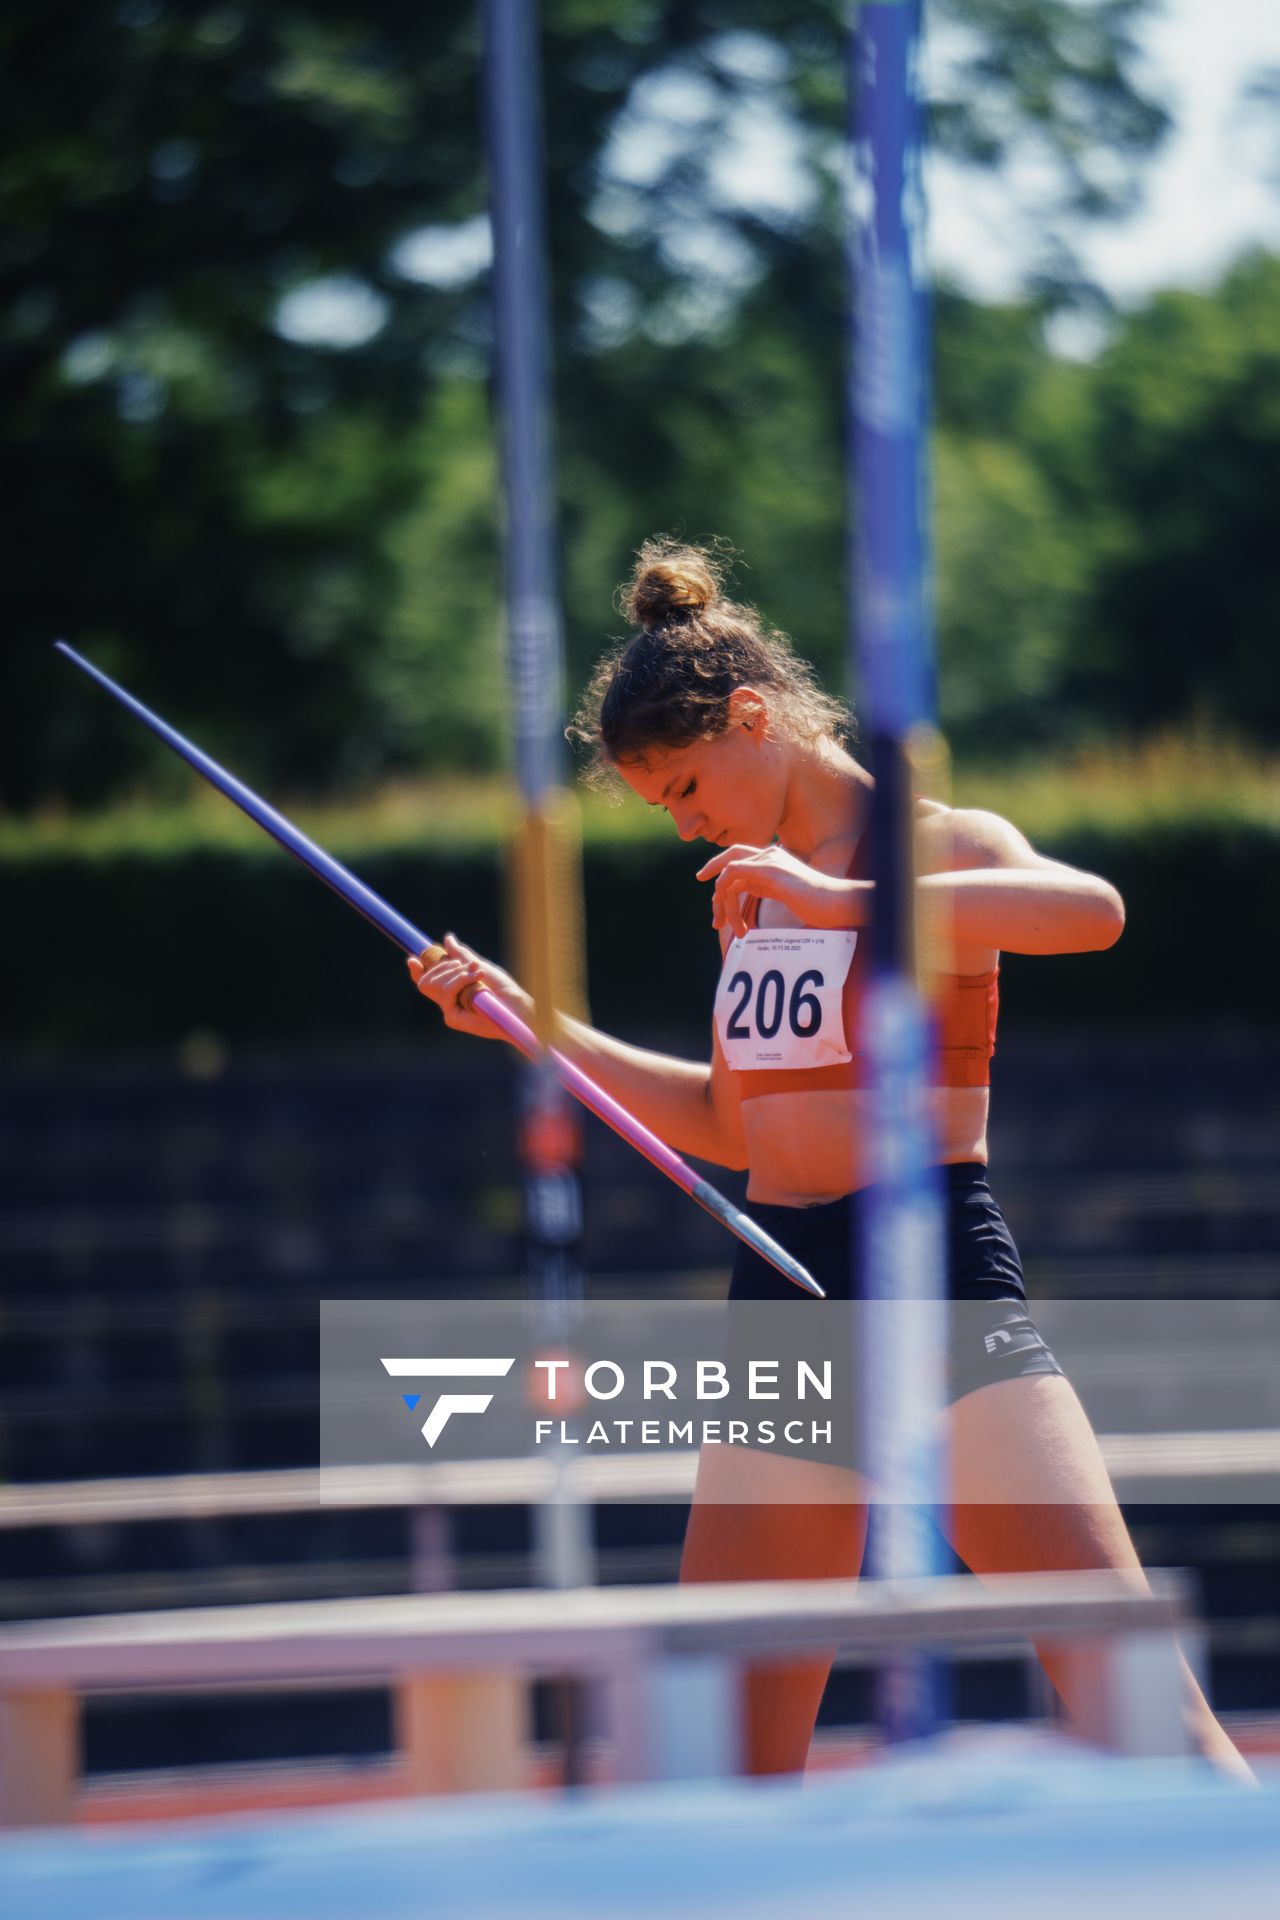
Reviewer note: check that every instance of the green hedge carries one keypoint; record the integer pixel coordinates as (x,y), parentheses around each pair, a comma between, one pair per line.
(1201,943)
(143,949)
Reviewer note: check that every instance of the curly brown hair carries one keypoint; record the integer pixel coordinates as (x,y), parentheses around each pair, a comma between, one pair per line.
(668,684)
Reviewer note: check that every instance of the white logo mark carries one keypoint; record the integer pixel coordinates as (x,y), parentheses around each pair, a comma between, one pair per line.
(448,1404)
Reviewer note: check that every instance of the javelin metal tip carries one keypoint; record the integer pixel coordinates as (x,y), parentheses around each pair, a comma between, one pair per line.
(756,1238)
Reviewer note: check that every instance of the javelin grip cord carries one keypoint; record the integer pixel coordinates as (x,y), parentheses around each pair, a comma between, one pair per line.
(411,940)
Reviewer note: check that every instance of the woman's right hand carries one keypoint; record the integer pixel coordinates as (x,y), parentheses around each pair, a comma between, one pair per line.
(452,983)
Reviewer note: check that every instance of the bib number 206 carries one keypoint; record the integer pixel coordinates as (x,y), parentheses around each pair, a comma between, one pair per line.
(802,1008)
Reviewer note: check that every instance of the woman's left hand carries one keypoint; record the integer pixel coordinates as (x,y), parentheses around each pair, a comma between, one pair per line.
(771,873)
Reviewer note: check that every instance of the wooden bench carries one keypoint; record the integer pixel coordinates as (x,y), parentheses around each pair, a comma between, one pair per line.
(662,1665)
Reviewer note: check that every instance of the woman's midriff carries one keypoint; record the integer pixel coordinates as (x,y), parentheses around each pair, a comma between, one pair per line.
(805,1148)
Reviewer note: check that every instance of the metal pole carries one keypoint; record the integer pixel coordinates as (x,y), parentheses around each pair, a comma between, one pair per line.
(902,1254)
(549,1137)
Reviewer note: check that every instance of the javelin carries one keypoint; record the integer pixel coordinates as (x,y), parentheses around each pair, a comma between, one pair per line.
(412,940)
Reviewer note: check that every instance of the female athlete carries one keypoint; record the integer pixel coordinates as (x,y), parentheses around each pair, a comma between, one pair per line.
(708,714)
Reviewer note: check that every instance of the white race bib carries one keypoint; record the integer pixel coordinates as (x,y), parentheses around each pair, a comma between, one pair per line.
(779,1002)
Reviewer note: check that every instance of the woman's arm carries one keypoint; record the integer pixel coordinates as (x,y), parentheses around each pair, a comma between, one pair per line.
(685,1102)
(980,874)
(997,892)
(688,1104)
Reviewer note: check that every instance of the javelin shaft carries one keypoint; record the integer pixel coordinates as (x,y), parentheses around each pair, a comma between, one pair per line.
(374,908)
(412,940)
(624,1122)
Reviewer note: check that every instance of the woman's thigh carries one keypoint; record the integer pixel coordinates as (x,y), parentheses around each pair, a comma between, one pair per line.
(1030,1492)
(758,1518)
(1028,1485)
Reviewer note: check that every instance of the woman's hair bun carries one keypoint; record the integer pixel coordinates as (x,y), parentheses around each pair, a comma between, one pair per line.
(670,584)
(671,683)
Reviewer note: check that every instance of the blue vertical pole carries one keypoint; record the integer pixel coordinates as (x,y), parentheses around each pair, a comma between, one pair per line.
(535,634)
(901,1255)
(549,1130)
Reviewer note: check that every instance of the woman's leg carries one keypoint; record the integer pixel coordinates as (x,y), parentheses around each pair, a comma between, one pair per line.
(1030,1493)
(759,1518)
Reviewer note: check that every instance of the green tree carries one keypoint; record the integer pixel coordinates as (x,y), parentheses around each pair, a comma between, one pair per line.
(1185,443)
(227,496)
(1012,591)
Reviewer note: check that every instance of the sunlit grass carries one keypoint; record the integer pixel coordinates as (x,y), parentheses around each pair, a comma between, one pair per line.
(461,812)
(1169,779)
(1173,779)
(458,813)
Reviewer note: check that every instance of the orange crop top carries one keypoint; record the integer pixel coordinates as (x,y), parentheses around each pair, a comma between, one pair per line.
(966,1006)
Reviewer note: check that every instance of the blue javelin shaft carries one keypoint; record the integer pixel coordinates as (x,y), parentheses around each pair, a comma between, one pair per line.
(412,940)
(383,916)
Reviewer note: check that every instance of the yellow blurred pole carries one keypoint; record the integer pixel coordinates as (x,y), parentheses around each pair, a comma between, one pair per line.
(547,909)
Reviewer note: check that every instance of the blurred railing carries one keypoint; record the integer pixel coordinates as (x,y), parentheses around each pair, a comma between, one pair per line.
(166,1233)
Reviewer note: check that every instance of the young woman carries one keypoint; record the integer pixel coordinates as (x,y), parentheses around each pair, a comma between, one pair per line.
(707,714)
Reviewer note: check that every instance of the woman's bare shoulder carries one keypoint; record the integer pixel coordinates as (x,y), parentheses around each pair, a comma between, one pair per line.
(950,838)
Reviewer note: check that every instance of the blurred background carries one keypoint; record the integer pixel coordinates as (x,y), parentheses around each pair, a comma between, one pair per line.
(246,354)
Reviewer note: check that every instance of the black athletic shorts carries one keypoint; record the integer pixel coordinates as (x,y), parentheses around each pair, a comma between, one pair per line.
(991,1337)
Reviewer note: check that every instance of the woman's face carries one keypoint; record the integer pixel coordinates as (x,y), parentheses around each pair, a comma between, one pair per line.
(727,790)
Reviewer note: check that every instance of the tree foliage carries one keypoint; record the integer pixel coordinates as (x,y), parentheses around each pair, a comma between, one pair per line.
(246,346)
(1186,433)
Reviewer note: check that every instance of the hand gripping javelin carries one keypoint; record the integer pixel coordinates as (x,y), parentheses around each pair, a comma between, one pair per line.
(411,940)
